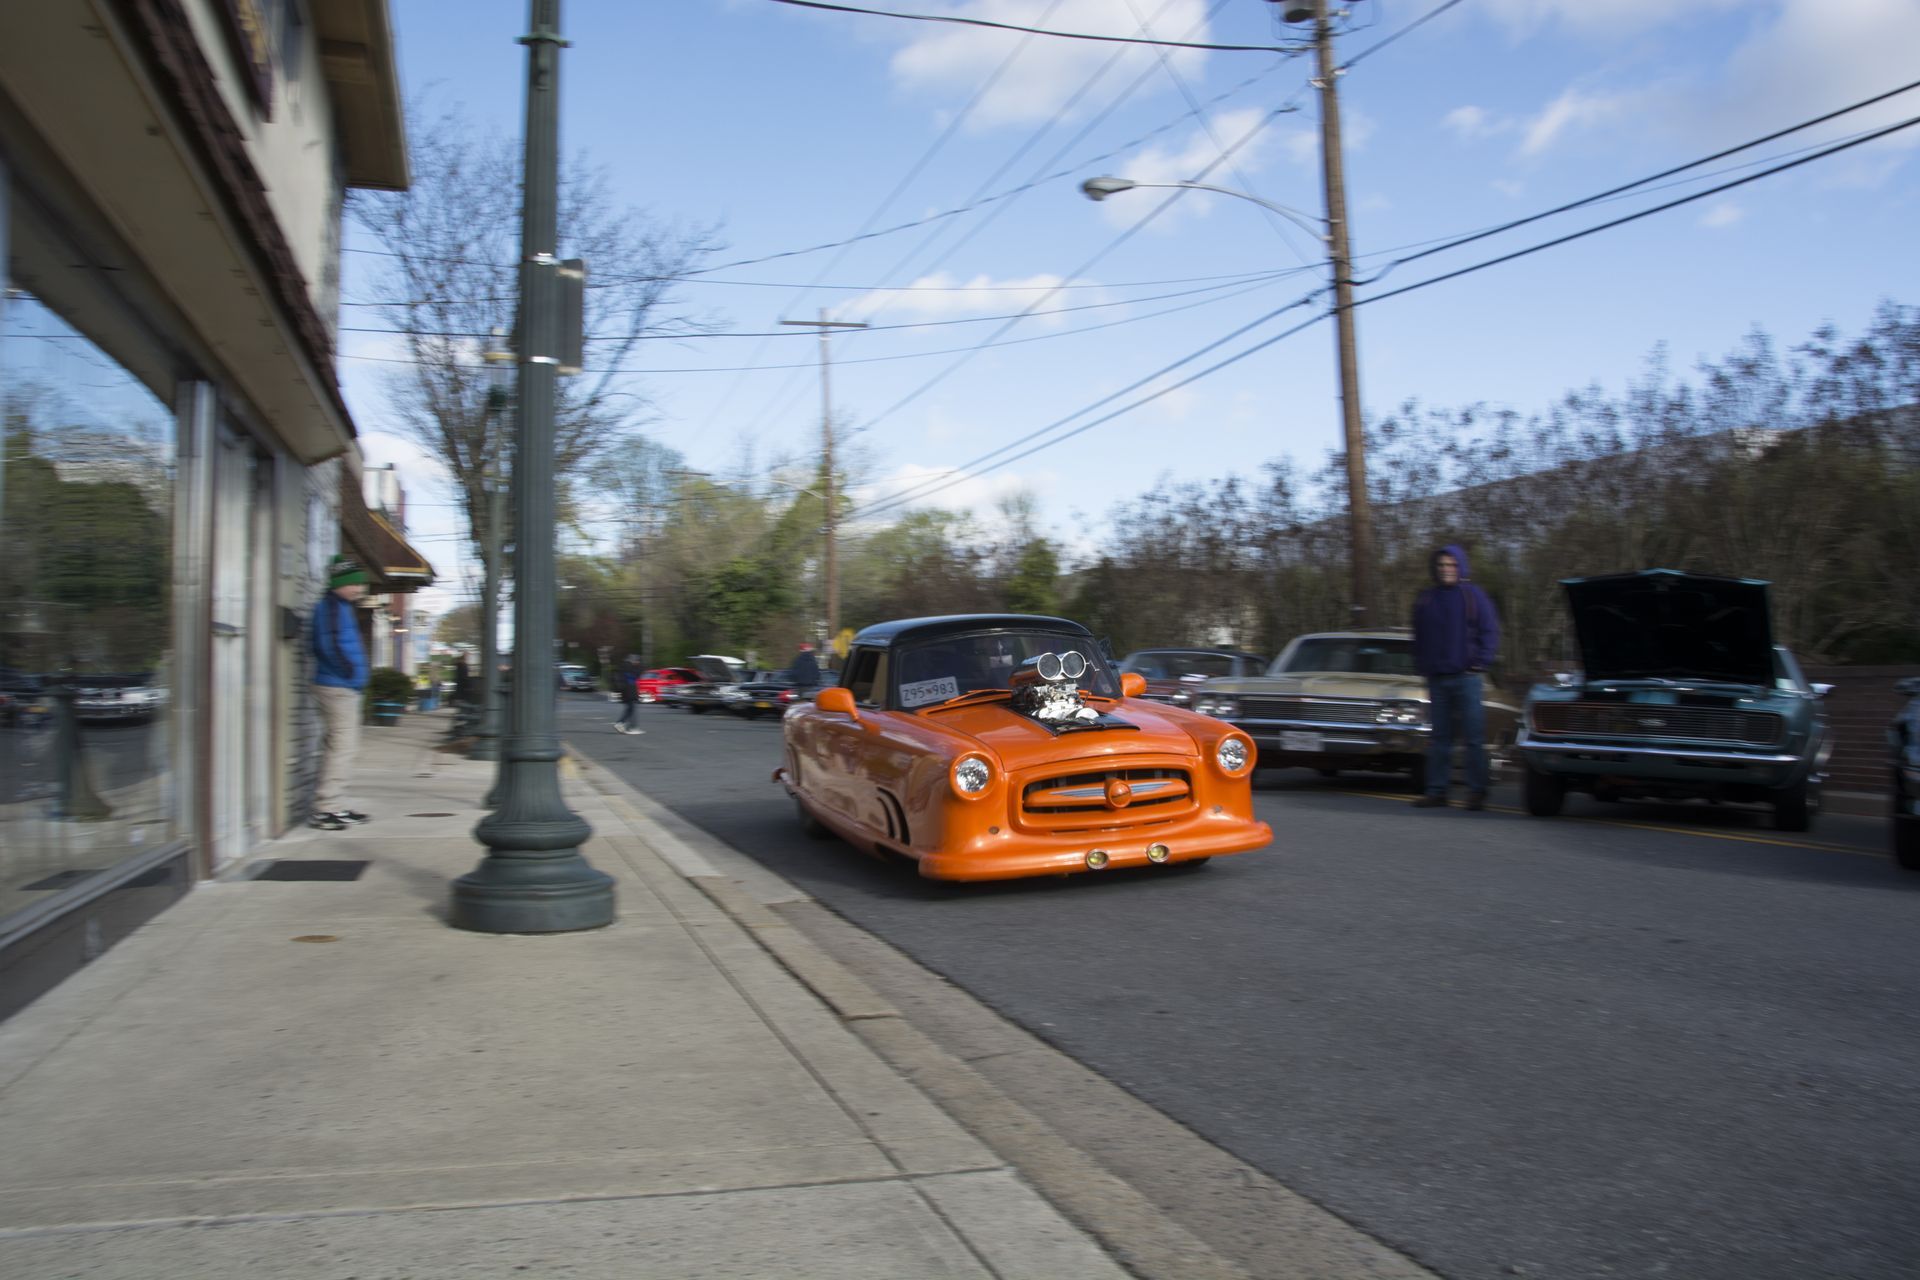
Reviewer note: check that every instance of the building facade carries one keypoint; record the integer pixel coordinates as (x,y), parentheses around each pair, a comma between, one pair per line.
(177,452)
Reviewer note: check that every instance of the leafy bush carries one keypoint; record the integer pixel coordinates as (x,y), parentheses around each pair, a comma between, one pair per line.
(384,684)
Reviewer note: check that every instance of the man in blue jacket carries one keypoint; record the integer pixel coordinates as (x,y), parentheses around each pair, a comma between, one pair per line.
(339,676)
(1456,636)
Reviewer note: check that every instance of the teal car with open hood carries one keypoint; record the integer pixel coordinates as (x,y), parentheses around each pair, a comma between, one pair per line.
(1683,694)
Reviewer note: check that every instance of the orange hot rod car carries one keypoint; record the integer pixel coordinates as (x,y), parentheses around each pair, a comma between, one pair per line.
(987,747)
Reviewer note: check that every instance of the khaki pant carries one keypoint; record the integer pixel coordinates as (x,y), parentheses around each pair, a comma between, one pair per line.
(340,711)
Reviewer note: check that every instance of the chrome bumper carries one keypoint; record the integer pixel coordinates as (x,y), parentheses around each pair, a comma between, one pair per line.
(1603,752)
(1344,739)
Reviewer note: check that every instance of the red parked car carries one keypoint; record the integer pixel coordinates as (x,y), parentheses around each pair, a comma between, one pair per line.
(649,685)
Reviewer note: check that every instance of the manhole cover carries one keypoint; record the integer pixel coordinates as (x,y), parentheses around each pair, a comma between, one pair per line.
(313,869)
(317,937)
(429,815)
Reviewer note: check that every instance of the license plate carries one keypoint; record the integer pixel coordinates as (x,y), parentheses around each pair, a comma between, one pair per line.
(764,706)
(1306,743)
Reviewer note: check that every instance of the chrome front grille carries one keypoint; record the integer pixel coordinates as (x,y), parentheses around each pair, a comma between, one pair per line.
(1076,801)
(1648,721)
(1309,710)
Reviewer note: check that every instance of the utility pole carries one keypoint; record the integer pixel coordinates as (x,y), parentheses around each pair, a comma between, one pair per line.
(533,878)
(486,738)
(832,567)
(1340,257)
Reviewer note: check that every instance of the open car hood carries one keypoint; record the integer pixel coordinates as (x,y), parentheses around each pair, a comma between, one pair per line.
(714,671)
(1667,625)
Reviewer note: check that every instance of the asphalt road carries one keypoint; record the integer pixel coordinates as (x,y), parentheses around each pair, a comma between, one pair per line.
(1631,1041)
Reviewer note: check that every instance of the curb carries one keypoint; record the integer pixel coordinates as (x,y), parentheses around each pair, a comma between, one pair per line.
(1135,1231)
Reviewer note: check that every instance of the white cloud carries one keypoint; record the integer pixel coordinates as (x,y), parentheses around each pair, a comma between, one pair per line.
(1471,122)
(1192,156)
(1509,188)
(944,297)
(1573,109)
(1721,215)
(1821,54)
(1046,71)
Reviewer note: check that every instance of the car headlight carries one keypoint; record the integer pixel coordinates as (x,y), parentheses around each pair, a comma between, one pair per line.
(1233,755)
(972,775)
(1401,713)
(1221,708)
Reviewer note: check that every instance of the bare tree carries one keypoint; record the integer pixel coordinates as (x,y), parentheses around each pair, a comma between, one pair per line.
(450,245)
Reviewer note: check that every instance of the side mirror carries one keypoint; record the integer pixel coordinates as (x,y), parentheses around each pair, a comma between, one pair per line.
(1132,684)
(1565,679)
(1822,690)
(838,700)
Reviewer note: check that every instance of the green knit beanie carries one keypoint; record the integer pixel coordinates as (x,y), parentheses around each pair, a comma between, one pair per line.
(344,572)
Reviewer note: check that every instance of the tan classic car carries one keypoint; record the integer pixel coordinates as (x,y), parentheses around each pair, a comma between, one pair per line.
(1344,700)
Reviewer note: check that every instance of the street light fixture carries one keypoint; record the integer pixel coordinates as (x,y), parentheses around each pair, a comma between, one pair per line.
(1101,188)
(1332,234)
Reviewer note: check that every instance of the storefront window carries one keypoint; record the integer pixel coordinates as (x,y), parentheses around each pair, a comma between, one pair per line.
(86,571)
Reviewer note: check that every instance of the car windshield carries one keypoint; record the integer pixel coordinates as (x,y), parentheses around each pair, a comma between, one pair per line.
(1355,655)
(937,670)
(1175,664)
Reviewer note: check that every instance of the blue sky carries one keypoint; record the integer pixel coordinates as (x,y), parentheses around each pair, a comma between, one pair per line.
(786,128)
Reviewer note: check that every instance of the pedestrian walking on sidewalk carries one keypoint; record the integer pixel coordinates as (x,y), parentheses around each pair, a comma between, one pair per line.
(1456,636)
(629,696)
(339,678)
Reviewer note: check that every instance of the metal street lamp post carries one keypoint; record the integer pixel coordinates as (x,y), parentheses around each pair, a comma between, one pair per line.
(533,878)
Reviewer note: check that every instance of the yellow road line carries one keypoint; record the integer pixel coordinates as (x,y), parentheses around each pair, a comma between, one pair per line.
(1742,837)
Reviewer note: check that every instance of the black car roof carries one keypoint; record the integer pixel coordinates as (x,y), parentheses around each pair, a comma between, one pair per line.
(883,634)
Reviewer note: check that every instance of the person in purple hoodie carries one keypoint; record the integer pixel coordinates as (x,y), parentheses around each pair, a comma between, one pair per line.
(1456,636)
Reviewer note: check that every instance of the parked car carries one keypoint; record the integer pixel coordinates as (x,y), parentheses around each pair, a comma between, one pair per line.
(1904,737)
(1338,700)
(1175,675)
(1682,693)
(716,672)
(23,699)
(649,685)
(100,698)
(575,678)
(994,746)
(770,695)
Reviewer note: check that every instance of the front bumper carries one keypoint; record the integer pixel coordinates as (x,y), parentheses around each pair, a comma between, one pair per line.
(1017,855)
(1313,740)
(1677,765)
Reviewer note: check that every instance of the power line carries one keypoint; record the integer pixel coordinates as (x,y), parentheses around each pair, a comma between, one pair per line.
(1642,213)
(957,20)
(1417,23)
(1650,178)
(967,471)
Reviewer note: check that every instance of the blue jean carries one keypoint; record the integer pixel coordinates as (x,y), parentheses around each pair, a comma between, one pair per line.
(1454,703)
(629,714)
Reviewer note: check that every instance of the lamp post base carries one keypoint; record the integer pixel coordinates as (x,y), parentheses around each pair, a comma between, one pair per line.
(542,893)
(533,879)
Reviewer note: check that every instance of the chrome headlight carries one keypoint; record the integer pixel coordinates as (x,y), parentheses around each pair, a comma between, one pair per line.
(1401,713)
(1221,708)
(972,776)
(1232,755)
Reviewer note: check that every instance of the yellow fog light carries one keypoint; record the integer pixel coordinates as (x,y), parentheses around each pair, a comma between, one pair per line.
(1158,853)
(1096,859)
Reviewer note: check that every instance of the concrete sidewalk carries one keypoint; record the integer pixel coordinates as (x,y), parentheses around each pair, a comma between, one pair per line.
(322,1079)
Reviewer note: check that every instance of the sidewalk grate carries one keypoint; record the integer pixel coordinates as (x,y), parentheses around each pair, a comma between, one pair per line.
(430,815)
(313,869)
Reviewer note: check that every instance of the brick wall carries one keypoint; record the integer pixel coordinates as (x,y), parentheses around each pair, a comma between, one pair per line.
(1862,704)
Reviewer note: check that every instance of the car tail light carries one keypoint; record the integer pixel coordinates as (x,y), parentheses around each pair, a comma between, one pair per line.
(786,695)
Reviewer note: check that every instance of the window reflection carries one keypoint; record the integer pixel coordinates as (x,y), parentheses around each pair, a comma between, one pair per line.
(86,685)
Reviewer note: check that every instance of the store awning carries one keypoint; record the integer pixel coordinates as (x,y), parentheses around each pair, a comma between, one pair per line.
(394,567)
